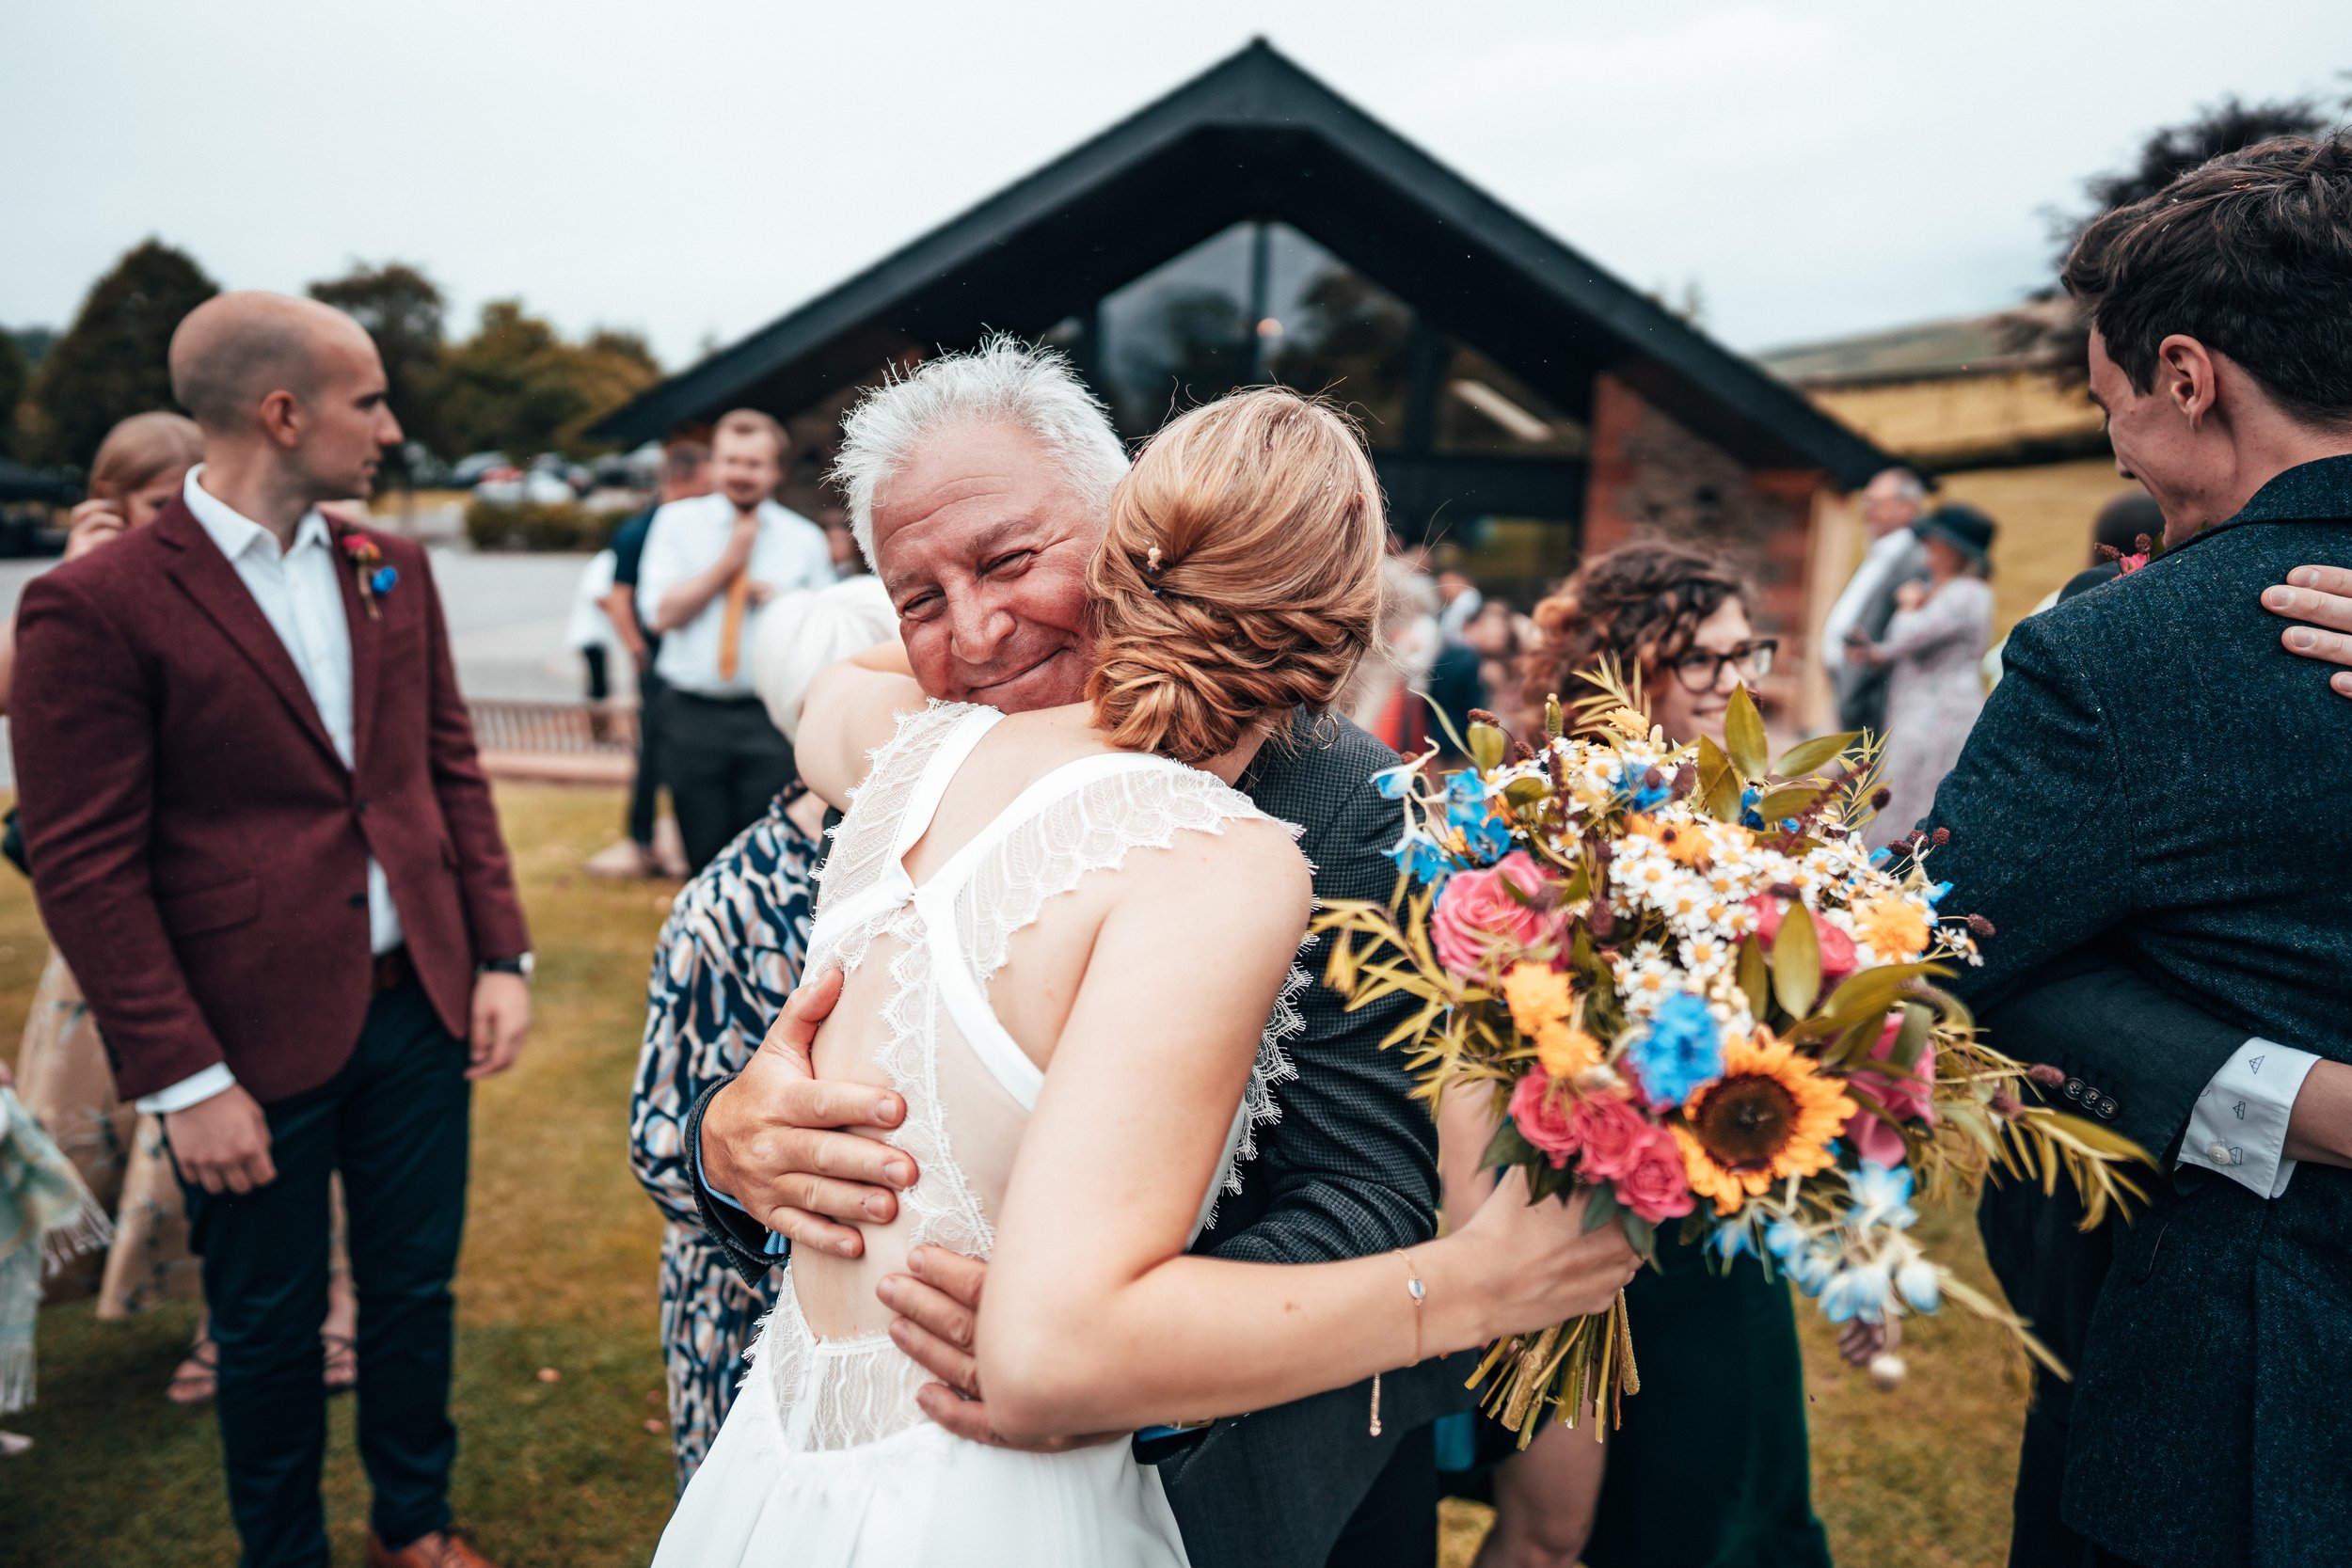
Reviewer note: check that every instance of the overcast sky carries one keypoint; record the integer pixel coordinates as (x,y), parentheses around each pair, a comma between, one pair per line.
(693,168)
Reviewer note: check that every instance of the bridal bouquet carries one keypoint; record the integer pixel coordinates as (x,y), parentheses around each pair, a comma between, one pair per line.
(1702,1001)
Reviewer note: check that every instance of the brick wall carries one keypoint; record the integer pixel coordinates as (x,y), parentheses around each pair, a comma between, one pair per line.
(1652,478)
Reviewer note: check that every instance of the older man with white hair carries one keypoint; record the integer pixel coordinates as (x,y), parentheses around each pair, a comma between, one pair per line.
(978,487)
(1891,503)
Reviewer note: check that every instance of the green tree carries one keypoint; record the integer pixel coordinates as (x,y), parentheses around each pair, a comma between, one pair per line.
(2172,150)
(401,308)
(111,362)
(14,373)
(516,386)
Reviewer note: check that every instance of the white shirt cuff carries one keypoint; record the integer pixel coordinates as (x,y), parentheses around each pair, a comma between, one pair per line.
(189,1091)
(2239,1126)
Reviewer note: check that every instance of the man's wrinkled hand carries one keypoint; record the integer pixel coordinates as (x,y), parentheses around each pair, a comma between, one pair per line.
(222,1144)
(938,1305)
(501,1017)
(2321,596)
(772,1138)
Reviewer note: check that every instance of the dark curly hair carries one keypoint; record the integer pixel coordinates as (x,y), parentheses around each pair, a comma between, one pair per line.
(1641,602)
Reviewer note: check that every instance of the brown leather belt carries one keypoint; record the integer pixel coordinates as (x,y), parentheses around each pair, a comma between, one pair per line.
(393,970)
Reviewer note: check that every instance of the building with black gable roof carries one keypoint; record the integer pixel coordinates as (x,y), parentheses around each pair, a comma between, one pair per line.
(1253,225)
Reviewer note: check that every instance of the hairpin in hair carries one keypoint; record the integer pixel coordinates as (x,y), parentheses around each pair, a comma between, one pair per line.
(1152,561)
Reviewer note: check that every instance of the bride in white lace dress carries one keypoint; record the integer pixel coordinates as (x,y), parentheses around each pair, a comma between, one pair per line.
(1061,936)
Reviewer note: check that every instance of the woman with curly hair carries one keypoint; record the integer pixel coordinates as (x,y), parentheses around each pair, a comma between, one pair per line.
(1710,1467)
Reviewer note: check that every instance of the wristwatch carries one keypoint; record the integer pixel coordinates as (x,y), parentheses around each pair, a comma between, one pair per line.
(522,965)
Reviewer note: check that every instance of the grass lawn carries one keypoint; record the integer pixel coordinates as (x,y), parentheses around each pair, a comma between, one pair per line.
(559,1272)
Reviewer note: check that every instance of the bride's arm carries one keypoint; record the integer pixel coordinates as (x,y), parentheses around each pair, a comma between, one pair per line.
(1096,1319)
(851,708)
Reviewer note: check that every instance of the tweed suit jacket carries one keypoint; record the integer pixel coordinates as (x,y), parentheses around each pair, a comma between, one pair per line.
(1350,1169)
(2157,776)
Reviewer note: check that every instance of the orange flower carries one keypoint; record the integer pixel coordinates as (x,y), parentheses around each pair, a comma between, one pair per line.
(1894,929)
(1538,994)
(1770,1117)
(1566,1050)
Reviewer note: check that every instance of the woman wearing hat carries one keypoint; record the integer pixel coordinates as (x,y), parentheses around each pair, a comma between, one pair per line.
(1930,651)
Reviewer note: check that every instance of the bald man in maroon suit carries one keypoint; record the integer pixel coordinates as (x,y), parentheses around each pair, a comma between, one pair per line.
(259,834)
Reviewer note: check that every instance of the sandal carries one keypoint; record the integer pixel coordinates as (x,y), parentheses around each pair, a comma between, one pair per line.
(343,1362)
(197,1379)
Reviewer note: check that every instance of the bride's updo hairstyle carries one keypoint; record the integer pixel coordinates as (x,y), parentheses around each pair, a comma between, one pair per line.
(1239,577)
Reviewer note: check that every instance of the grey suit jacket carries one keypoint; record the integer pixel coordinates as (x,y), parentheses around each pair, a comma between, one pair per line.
(2157,774)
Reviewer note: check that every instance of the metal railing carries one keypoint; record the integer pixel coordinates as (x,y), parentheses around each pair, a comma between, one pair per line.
(501,724)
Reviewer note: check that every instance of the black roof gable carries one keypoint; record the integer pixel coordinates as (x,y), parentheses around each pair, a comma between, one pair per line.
(1257,136)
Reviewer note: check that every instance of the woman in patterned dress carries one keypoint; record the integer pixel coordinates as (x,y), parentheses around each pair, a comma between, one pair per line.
(728,956)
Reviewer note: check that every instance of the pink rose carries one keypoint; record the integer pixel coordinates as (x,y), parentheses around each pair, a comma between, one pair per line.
(1612,1132)
(1476,910)
(1655,1187)
(1546,1120)
(1838,958)
(1907,1096)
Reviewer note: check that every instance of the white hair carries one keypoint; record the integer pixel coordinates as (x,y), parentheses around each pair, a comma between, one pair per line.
(1026,386)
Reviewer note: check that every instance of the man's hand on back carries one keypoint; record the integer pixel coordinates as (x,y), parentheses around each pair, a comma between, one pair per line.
(2322,596)
(771,1139)
(222,1144)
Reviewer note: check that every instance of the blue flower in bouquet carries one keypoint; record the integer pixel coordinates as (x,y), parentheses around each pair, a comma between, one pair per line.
(1422,858)
(1395,784)
(1935,894)
(1729,1241)
(1921,1286)
(1749,817)
(1859,1291)
(1681,1050)
(1881,1195)
(1485,838)
(1633,783)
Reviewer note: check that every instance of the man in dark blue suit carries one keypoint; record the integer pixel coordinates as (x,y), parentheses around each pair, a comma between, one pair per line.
(2146,814)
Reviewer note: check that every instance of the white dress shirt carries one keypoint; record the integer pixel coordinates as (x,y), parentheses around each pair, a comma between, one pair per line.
(687,537)
(1867,582)
(2239,1127)
(298,594)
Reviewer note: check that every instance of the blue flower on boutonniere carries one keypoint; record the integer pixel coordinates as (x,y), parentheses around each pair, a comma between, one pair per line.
(369,570)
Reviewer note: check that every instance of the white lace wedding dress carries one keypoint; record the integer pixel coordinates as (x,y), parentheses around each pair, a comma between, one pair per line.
(825,1461)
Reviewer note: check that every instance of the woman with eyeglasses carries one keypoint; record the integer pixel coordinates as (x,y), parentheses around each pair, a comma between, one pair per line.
(1711,1468)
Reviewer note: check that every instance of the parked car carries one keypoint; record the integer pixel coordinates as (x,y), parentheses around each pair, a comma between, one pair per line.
(472,469)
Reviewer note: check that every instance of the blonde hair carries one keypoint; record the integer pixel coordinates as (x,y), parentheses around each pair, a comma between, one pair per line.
(141,450)
(1239,577)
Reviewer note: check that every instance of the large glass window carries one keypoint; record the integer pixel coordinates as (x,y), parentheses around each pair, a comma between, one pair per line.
(1256,302)
(1484,408)
(1328,328)
(1180,333)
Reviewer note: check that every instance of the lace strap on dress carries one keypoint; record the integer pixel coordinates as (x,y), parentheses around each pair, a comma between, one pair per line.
(1094,827)
(862,842)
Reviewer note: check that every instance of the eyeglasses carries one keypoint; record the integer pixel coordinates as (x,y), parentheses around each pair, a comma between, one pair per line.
(1699,671)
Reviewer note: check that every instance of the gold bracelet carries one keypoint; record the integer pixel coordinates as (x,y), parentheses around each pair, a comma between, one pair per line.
(1419,1290)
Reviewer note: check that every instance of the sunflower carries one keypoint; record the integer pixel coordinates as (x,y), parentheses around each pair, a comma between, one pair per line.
(1771,1116)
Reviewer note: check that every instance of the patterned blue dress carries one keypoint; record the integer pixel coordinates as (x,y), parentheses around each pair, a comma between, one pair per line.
(728,956)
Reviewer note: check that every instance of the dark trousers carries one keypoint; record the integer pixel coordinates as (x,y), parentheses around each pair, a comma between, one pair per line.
(723,761)
(598,659)
(1396,1524)
(644,790)
(394,1121)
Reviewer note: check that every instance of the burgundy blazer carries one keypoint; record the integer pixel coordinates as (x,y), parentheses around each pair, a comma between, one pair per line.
(199,852)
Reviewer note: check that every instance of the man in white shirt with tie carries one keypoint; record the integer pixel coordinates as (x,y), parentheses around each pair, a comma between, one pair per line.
(712,565)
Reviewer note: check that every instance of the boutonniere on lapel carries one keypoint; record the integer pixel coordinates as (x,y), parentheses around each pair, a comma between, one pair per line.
(375,575)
